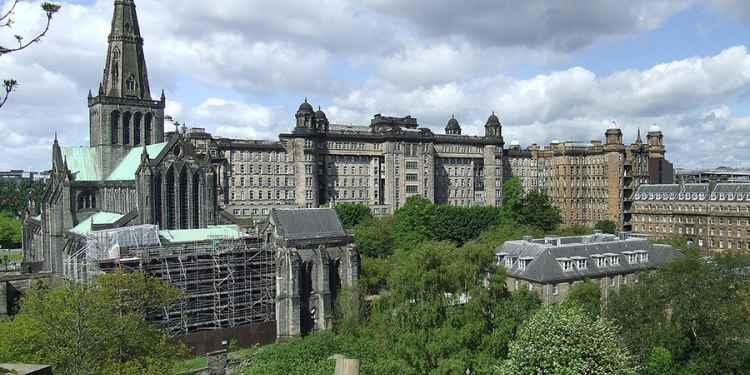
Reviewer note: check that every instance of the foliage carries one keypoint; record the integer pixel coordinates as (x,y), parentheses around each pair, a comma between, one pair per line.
(11,231)
(587,296)
(531,208)
(374,274)
(14,195)
(6,22)
(99,328)
(374,237)
(694,308)
(566,340)
(659,362)
(606,226)
(442,314)
(352,214)
(573,230)
(349,310)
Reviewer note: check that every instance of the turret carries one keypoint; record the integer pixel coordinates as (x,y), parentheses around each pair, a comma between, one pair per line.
(656,148)
(493,128)
(453,127)
(321,121)
(305,115)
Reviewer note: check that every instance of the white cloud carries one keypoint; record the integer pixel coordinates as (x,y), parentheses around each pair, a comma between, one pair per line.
(236,119)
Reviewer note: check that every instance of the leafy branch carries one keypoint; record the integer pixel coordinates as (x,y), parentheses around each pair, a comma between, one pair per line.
(6,20)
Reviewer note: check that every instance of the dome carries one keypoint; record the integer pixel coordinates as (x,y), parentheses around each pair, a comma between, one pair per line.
(305,107)
(493,120)
(321,115)
(453,124)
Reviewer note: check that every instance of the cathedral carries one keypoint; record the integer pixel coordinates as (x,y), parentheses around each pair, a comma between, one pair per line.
(129,174)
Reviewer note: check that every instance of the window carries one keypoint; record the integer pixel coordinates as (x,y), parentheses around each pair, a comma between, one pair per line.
(555,290)
(411,189)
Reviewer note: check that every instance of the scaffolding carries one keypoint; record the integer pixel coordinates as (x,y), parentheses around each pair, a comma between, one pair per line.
(224,282)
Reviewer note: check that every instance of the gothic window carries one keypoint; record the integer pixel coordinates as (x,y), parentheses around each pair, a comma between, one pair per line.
(196,200)
(169,199)
(115,126)
(157,200)
(116,64)
(147,128)
(126,117)
(183,199)
(137,129)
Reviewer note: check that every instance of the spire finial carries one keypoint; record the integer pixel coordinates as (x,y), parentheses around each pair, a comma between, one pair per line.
(305,99)
(55,136)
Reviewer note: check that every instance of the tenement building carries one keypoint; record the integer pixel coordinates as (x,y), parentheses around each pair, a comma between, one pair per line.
(714,217)
(551,266)
(590,182)
(381,165)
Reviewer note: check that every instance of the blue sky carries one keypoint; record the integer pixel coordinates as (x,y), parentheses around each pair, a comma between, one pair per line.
(551,70)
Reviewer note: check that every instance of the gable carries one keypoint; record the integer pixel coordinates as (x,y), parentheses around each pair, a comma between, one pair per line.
(127,168)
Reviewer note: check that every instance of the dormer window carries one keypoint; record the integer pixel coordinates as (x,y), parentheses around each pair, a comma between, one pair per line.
(501,258)
(581,263)
(632,256)
(600,260)
(566,264)
(509,262)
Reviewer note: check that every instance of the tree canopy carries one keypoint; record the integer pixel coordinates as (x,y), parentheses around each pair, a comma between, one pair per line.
(352,214)
(565,340)
(99,328)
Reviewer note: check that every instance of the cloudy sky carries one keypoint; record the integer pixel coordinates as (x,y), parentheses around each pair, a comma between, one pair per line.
(550,69)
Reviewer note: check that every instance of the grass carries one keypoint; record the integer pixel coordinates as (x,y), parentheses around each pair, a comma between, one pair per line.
(11,256)
(191,364)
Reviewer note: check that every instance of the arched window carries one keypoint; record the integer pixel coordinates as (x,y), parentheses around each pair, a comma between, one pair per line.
(183,203)
(147,128)
(157,200)
(126,117)
(116,64)
(196,200)
(169,199)
(137,129)
(115,126)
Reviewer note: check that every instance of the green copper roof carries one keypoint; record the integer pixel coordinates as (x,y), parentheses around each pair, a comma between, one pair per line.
(125,171)
(218,232)
(84,227)
(82,163)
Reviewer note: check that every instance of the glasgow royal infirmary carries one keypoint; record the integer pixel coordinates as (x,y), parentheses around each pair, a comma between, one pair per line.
(134,173)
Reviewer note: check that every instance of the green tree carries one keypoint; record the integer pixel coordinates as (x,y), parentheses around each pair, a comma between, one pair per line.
(606,226)
(566,340)
(11,231)
(694,308)
(573,230)
(374,237)
(659,362)
(513,197)
(586,295)
(539,212)
(352,214)
(412,222)
(99,328)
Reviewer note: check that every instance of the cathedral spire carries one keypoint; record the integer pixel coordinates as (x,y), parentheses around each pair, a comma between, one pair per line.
(638,140)
(125,72)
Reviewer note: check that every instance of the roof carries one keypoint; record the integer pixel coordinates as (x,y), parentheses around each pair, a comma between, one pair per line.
(545,258)
(216,232)
(694,192)
(84,227)
(125,171)
(82,163)
(307,223)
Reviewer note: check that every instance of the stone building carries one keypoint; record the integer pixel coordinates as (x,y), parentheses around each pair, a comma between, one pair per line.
(380,165)
(128,174)
(716,218)
(590,182)
(551,266)
(718,175)
(315,258)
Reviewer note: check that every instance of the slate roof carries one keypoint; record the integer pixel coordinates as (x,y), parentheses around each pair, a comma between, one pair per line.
(307,224)
(694,192)
(215,232)
(125,171)
(82,163)
(84,227)
(545,259)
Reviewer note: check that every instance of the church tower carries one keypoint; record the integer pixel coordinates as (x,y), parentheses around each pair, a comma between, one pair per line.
(123,115)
